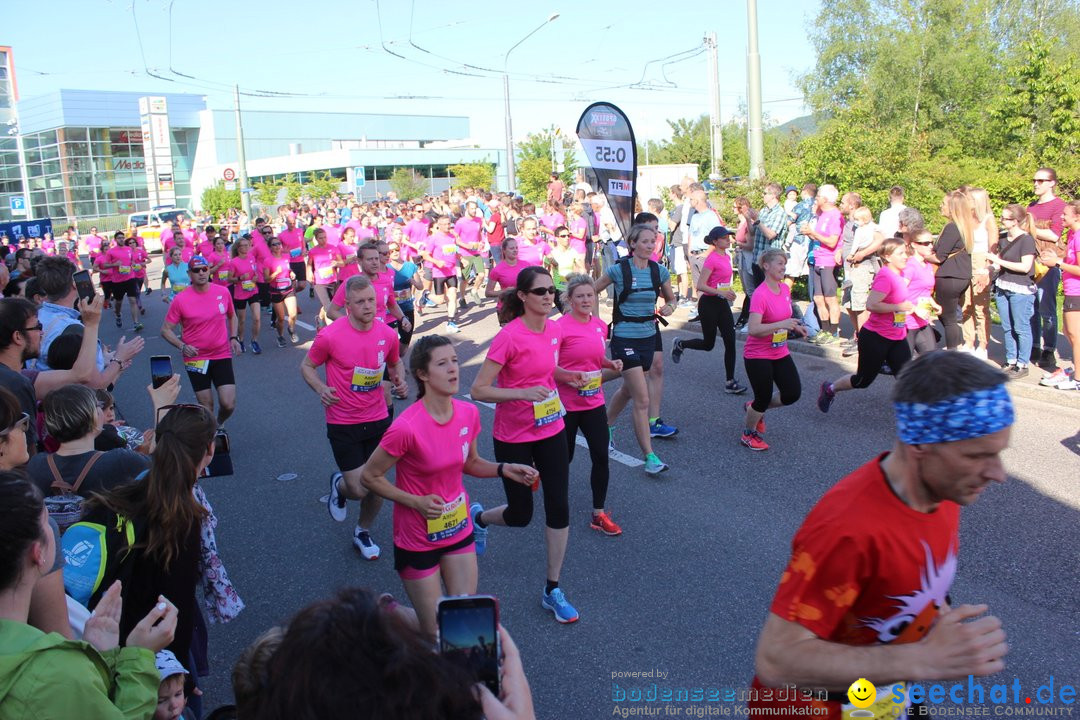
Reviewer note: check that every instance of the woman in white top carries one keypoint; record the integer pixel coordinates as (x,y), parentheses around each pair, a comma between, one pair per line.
(976,317)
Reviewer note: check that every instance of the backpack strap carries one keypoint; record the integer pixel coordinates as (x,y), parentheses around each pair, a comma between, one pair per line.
(85,471)
(628,281)
(62,485)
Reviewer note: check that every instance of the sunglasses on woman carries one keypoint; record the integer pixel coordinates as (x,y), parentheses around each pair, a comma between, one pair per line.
(542,291)
(21,425)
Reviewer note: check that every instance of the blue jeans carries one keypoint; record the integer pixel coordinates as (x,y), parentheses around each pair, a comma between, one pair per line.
(1016,311)
(1044,322)
(809,318)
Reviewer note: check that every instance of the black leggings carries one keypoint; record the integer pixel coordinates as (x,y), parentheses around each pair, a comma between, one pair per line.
(921,340)
(763,373)
(948,292)
(875,350)
(549,456)
(714,312)
(593,425)
(759,277)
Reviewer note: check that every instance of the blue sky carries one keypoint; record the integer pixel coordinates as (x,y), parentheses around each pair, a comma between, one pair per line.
(344,56)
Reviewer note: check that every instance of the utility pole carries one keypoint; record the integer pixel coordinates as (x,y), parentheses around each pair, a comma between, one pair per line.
(754,120)
(716,138)
(245,197)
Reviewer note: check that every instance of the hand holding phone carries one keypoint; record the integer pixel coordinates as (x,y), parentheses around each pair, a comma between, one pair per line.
(84,285)
(160,370)
(468,636)
(515,701)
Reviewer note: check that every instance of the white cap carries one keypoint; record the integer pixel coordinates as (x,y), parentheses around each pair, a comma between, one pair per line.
(167,664)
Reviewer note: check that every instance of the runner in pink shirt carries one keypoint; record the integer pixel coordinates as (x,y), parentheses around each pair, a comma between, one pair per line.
(382,279)
(416,234)
(434,549)
(531,249)
(204,312)
(91,245)
(323,261)
(105,273)
(121,260)
(277,274)
(292,241)
(579,227)
(348,246)
(358,353)
(140,259)
(469,229)
(519,375)
(919,275)
(244,274)
(883,337)
(583,350)
(442,255)
(766,357)
(504,274)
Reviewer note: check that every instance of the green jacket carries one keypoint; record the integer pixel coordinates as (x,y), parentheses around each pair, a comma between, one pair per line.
(45,677)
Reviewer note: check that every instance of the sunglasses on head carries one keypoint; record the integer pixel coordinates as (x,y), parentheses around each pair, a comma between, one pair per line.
(22,424)
(166,409)
(542,291)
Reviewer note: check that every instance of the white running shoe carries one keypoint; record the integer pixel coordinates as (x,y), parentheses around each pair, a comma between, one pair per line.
(363,542)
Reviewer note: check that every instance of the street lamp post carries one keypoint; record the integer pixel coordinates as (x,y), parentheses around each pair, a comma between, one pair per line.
(506,98)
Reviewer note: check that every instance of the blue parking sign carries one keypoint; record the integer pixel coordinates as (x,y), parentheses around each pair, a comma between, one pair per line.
(358,176)
(18,205)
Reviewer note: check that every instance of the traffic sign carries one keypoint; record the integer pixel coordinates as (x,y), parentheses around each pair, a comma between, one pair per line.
(229,174)
(18,205)
(230,185)
(358,176)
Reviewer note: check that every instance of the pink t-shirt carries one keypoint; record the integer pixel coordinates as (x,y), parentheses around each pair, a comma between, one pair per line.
(244,272)
(578,230)
(384,290)
(430,463)
(167,241)
(468,230)
(920,284)
(280,265)
(126,257)
(355,366)
(322,259)
(48,247)
(333,234)
(139,260)
(204,320)
(772,308)
(213,258)
(552,221)
(186,253)
(205,248)
(292,242)
(582,350)
(528,359)
(532,254)
(830,223)
(106,273)
(92,245)
(1070,282)
(444,249)
(891,325)
(364,234)
(718,266)
(506,275)
(417,233)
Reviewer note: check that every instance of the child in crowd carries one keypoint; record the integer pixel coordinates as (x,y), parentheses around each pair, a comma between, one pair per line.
(171,702)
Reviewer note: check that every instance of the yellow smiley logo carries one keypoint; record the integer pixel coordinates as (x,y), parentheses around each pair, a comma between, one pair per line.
(862,693)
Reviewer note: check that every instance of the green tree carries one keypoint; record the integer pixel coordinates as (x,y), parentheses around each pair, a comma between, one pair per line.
(322,185)
(533,159)
(266,192)
(689,143)
(408,184)
(476,174)
(216,200)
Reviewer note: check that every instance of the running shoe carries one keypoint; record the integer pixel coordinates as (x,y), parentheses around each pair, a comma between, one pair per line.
(242,348)
(1055,378)
(654,465)
(676,351)
(850,343)
(294,337)
(732,387)
(820,337)
(1068,385)
(556,603)
(255,349)
(686,303)
(849,350)
(142,310)
(281,341)
(107,305)
(752,439)
(830,339)
(480,534)
(760,429)
(335,501)
(826,397)
(119,322)
(660,430)
(610,439)
(740,324)
(311,291)
(149,290)
(452,327)
(886,369)
(138,327)
(602,521)
(693,316)
(363,542)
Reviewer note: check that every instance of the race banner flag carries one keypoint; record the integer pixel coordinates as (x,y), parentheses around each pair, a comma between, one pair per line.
(608,140)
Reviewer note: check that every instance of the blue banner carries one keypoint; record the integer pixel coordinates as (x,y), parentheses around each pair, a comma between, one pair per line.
(26,229)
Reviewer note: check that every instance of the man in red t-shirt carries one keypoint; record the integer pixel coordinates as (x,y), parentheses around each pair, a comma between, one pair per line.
(1048,212)
(555,189)
(865,593)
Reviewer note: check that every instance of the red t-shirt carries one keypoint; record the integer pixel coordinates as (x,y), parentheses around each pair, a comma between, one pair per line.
(866,569)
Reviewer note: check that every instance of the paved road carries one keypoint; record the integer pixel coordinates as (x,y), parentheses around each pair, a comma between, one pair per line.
(685,590)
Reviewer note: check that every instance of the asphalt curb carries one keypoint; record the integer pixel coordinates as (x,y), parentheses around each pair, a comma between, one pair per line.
(1027,388)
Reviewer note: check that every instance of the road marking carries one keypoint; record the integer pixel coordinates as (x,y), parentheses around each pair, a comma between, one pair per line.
(619,457)
(306,326)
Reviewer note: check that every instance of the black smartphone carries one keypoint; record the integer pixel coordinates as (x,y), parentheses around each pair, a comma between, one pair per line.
(469,635)
(160,370)
(84,285)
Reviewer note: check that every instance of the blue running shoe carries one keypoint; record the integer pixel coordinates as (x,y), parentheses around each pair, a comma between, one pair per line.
(659,429)
(480,534)
(556,603)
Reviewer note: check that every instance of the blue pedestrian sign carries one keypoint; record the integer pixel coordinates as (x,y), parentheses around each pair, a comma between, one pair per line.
(18,205)
(358,176)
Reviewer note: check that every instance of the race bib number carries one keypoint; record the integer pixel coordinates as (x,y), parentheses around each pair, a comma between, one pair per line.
(282,283)
(199,367)
(325,273)
(899,319)
(247,285)
(454,519)
(125,269)
(547,411)
(223,274)
(592,384)
(179,288)
(724,288)
(883,707)
(779,338)
(449,249)
(403,295)
(136,268)
(296,252)
(366,379)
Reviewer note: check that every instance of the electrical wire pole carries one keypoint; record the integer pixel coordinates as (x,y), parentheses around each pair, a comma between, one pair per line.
(245,197)
(754,119)
(716,138)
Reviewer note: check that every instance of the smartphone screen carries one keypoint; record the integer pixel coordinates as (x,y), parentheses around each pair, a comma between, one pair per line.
(160,370)
(84,285)
(469,636)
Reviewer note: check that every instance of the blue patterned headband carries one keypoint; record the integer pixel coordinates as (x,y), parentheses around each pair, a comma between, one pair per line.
(971,415)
